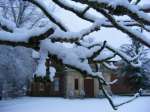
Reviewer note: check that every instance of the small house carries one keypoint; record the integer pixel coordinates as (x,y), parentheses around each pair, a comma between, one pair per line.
(68,83)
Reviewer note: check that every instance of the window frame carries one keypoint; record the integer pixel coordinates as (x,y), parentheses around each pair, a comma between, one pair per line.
(76,84)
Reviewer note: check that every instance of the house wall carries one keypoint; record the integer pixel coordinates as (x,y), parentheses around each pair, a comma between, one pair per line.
(71,75)
(96,88)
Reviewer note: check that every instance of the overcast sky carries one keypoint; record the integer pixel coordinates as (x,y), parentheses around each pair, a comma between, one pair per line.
(113,36)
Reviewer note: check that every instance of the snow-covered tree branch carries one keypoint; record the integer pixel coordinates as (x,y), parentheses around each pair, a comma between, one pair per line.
(31,38)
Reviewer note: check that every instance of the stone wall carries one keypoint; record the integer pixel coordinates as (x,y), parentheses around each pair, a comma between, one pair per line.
(71,75)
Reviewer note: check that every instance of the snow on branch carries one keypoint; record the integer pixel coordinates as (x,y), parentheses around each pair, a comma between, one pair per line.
(108,97)
(102,57)
(131,32)
(68,36)
(41,68)
(124,56)
(48,12)
(113,82)
(75,58)
(25,37)
(67,55)
(121,7)
(88,16)
(136,95)
(95,54)
(79,10)
(115,106)
(110,66)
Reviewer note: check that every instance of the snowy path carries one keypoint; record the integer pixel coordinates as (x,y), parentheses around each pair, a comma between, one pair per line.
(36,104)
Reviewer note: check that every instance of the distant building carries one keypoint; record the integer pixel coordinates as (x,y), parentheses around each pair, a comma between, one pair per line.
(69,83)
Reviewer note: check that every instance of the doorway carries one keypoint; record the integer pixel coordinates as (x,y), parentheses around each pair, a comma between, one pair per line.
(89,87)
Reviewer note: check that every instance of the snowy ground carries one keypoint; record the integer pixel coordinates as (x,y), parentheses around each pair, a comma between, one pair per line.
(36,104)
